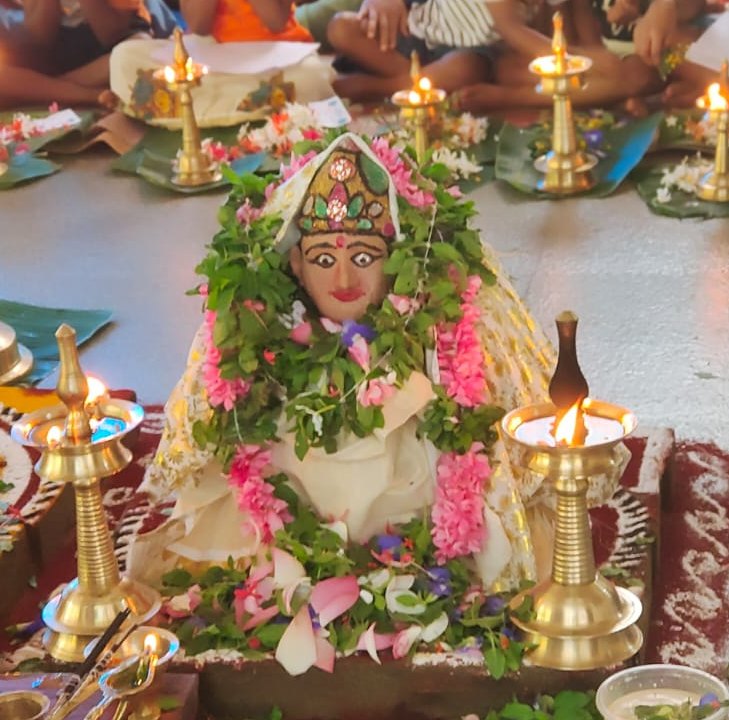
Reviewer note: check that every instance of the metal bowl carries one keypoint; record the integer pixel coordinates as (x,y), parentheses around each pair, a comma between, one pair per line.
(23,705)
(15,359)
(133,646)
(656,685)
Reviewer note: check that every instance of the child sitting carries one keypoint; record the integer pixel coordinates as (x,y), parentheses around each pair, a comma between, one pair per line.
(237,20)
(58,50)
(231,93)
(457,41)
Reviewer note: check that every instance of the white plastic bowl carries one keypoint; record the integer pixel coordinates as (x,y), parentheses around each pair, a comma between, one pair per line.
(656,685)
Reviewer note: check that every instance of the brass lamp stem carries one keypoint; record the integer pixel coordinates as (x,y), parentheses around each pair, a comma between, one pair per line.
(574,559)
(190,130)
(421,133)
(98,572)
(72,387)
(720,161)
(563,130)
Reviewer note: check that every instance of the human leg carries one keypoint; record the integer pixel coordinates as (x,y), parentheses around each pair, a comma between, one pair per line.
(453,70)
(315,17)
(347,39)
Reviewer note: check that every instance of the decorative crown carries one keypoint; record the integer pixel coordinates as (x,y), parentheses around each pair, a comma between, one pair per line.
(348,192)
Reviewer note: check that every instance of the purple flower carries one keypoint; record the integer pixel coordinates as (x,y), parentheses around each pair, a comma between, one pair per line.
(493,605)
(350,330)
(594,139)
(709,699)
(440,581)
(388,542)
(511,632)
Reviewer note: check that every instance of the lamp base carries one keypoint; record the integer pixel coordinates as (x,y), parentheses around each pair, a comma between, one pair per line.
(580,627)
(565,174)
(74,617)
(194,170)
(714,187)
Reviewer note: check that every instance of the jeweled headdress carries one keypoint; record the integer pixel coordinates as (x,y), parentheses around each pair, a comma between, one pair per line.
(345,187)
(348,192)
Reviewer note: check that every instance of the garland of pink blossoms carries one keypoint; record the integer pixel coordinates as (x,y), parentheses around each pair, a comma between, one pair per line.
(458,510)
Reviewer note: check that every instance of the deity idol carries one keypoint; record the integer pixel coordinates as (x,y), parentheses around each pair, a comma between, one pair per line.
(358,344)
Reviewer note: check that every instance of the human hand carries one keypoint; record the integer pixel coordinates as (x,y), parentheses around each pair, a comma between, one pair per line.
(623,12)
(654,30)
(383,20)
(604,62)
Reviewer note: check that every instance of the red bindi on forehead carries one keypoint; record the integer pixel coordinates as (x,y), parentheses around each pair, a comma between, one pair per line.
(341,241)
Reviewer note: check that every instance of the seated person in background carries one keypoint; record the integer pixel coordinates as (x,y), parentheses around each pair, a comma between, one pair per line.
(623,70)
(315,17)
(458,41)
(329,352)
(58,50)
(231,94)
(236,20)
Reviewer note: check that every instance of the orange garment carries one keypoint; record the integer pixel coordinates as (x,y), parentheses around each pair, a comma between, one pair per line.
(236,20)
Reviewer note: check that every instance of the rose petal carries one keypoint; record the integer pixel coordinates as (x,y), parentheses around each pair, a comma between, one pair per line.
(334,596)
(325,654)
(287,569)
(296,650)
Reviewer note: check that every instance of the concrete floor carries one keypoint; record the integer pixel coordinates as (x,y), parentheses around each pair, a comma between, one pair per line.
(652,293)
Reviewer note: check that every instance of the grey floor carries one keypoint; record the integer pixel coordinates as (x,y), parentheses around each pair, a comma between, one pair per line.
(652,293)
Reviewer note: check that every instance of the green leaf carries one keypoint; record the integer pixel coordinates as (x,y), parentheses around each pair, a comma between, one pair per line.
(495,662)
(516,711)
(168,702)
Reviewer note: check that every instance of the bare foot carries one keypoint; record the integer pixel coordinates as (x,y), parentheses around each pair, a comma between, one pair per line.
(360,87)
(478,99)
(108,100)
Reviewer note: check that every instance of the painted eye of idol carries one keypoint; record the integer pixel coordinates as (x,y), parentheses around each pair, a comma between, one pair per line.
(323,260)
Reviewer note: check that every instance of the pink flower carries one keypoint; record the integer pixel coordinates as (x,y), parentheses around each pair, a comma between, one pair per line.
(255,306)
(301,333)
(375,392)
(296,163)
(454,191)
(312,134)
(220,390)
(402,303)
(460,355)
(247,213)
(401,173)
(265,512)
(359,351)
(457,514)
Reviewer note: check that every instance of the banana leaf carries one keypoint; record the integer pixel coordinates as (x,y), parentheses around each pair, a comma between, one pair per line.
(24,168)
(35,328)
(682,204)
(152,157)
(624,147)
(684,130)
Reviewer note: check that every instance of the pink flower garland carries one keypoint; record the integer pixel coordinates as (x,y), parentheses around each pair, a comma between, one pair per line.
(458,521)
(458,518)
(402,174)
(221,391)
(265,512)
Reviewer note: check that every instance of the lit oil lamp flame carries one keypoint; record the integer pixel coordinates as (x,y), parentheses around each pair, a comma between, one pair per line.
(151,643)
(414,97)
(714,99)
(170,75)
(189,69)
(566,431)
(97,389)
(54,437)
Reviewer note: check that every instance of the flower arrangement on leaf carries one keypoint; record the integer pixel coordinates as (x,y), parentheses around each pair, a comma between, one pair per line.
(296,127)
(590,130)
(14,136)
(683,177)
(691,128)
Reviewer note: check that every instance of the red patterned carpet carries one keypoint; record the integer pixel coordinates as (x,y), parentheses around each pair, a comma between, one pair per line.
(690,589)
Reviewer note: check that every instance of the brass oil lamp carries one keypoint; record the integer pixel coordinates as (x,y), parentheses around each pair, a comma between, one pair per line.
(80,443)
(581,620)
(714,186)
(192,167)
(566,168)
(419,107)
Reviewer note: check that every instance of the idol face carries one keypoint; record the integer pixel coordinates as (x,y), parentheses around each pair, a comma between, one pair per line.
(342,274)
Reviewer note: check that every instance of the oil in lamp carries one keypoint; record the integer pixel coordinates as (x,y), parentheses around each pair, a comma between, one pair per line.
(192,166)
(80,443)
(566,168)
(714,186)
(580,620)
(419,106)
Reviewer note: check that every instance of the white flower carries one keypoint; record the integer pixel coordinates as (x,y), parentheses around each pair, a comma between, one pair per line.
(685,176)
(375,580)
(366,596)
(467,130)
(457,162)
(663,195)
(671,121)
(400,599)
